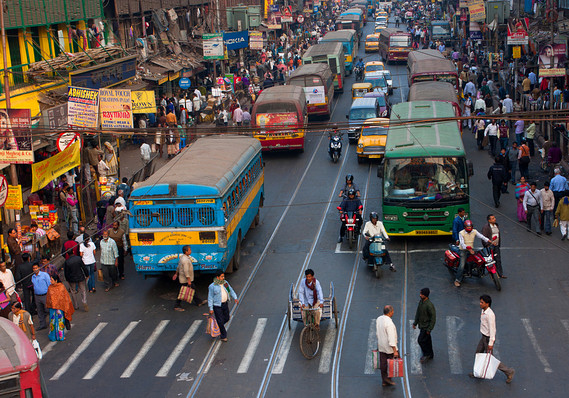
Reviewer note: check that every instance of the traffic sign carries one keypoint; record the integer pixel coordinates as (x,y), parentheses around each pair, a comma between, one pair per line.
(185,83)
(300,19)
(3,190)
(66,139)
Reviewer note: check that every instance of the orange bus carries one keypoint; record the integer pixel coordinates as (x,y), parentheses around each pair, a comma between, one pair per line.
(317,82)
(279,118)
(394,45)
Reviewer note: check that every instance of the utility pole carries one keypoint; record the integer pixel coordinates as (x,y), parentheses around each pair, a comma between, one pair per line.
(13,172)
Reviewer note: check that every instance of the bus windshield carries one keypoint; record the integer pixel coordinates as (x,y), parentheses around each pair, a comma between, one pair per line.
(400,41)
(441,30)
(362,114)
(436,178)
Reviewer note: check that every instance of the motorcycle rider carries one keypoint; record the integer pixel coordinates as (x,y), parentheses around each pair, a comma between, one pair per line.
(466,238)
(374,227)
(349,205)
(331,134)
(360,68)
(349,185)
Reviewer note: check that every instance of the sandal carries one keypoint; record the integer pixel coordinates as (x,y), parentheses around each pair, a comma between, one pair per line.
(116,285)
(107,289)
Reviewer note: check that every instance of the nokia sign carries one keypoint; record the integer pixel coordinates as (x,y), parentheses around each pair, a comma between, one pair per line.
(236,40)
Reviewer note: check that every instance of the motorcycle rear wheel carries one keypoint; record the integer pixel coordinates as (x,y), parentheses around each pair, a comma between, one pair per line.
(378,272)
(351,239)
(335,157)
(496,280)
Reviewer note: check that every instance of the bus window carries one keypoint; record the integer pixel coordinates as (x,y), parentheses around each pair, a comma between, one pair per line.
(333,65)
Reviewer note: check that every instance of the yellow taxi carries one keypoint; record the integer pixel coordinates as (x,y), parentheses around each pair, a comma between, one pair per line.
(378,28)
(373,137)
(372,43)
(373,66)
(360,89)
(381,12)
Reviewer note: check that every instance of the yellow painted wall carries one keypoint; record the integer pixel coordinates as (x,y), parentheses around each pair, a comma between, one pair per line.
(46,49)
(27,97)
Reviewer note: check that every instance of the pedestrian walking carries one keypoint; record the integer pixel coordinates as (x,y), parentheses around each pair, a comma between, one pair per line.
(70,247)
(7,279)
(41,281)
(519,130)
(488,331)
(548,200)
(87,251)
(491,131)
(513,153)
(524,159)
(562,216)
(116,233)
(60,309)
(76,274)
(558,186)
(145,153)
(499,176)
(185,275)
(467,109)
(109,261)
(504,135)
(425,318)
(23,319)
(218,296)
(492,231)
(458,225)
(530,135)
(24,277)
(386,342)
(533,205)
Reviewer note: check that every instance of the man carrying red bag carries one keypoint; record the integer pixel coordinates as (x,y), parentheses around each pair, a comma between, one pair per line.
(386,342)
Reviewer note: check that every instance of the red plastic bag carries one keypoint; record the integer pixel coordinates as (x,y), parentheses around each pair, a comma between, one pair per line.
(395,367)
(212,328)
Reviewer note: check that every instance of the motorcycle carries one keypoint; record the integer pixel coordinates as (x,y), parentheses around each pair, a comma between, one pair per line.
(479,263)
(377,253)
(335,146)
(359,73)
(352,225)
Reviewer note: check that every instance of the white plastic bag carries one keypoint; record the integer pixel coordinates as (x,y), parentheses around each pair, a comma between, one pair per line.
(37,348)
(485,366)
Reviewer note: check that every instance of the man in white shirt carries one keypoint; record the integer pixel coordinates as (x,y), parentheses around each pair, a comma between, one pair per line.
(386,342)
(7,279)
(466,238)
(488,330)
(145,153)
(533,206)
(508,104)
(375,228)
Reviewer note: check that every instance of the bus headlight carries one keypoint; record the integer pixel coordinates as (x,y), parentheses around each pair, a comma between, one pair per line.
(390,217)
(405,214)
(446,213)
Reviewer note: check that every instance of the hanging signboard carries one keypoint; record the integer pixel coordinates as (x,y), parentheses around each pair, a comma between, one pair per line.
(517,32)
(3,190)
(143,101)
(213,46)
(236,40)
(66,139)
(47,170)
(116,112)
(552,56)
(551,72)
(477,10)
(516,52)
(15,136)
(256,40)
(14,199)
(83,107)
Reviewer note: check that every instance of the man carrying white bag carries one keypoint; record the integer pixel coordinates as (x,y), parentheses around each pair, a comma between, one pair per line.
(485,364)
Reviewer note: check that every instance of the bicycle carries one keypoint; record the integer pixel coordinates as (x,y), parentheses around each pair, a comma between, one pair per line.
(310,335)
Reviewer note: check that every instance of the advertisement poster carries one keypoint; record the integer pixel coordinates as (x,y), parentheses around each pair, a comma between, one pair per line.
(47,170)
(16,136)
(83,107)
(14,200)
(213,46)
(284,119)
(236,40)
(518,32)
(256,40)
(143,101)
(552,52)
(229,81)
(315,95)
(477,10)
(115,105)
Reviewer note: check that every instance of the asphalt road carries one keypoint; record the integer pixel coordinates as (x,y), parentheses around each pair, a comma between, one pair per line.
(133,344)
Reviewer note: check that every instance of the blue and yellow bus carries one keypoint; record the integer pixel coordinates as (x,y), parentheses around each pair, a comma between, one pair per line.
(349,40)
(207,197)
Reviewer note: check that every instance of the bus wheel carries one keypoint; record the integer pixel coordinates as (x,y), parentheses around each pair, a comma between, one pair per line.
(255,222)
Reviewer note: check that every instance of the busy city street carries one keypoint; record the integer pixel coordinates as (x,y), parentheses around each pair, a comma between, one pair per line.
(133,343)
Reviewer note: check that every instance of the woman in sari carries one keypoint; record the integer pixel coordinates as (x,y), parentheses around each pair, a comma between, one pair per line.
(521,188)
(5,302)
(60,309)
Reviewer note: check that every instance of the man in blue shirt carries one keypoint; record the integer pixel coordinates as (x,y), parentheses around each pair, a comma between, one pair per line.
(558,186)
(458,225)
(41,282)
(533,79)
(310,296)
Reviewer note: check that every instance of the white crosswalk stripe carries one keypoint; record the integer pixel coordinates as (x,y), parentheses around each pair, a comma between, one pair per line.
(253,345)
(565,323)
(536,346)
(454,325)
(371,345)
(415,360)
(144,349)
(163,372)
(327,347)
(285,349)
(112,348)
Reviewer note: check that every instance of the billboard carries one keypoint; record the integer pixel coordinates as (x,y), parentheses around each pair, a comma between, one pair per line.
(477,10)
(213,46)
(518,32)
(116,108)
(16,136)
(83,107)
(256,40)
(236,40)
(552,56)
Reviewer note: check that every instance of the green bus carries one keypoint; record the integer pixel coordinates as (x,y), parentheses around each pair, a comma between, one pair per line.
(425,172)
(331,53)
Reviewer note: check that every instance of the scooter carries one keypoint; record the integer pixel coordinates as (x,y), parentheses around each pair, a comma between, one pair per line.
(377,253)
(352,226)
(335,146)
(359,73)
(479,263)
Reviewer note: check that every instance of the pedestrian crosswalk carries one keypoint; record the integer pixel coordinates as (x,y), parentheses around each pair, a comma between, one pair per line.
(449,337)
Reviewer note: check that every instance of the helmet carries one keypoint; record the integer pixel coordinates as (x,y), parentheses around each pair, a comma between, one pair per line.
(351,192)
(349,178)
(468,225)
(373,215)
